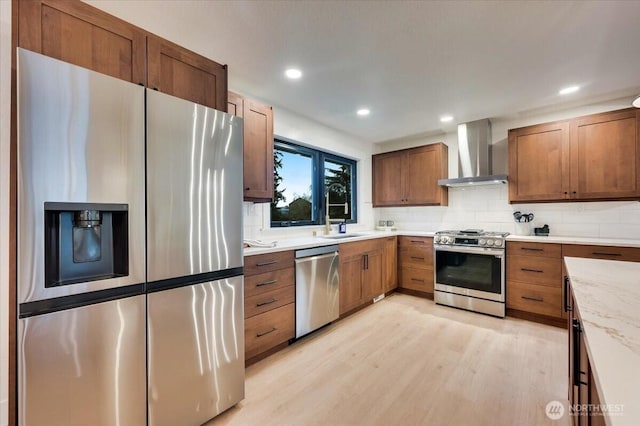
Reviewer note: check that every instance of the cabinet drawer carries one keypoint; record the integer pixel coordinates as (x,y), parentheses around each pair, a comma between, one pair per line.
(263,332)
(536,299)
(416,257)
(415,241)
(267,301)
(535,270)
(268,281)
(534,249)
(630,254)
(268,262)
(419,279)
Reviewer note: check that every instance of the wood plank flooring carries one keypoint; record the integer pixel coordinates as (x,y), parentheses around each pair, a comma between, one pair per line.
(407,361)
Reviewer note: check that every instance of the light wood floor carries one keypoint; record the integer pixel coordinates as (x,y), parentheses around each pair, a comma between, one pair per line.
(407,361)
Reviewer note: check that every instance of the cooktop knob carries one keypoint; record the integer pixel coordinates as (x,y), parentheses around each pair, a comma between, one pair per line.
(498,243)
(436,239)
(482,241)
(489,243)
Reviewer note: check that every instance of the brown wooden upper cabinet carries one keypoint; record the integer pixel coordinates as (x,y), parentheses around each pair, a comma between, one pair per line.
(539,162)
(83,35)
(410,177)
(596,157)
(187,75)
(258,146)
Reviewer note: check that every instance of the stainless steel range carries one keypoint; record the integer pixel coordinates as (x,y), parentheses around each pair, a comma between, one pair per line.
(470,270)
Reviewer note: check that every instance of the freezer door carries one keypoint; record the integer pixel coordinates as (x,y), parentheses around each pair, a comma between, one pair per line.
(194,188)
(196,351)
(80,140)
(84,366)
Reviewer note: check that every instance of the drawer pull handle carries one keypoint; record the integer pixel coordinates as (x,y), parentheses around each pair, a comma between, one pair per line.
(417,257)
(268,302)
(533,299)
(532,270)
(271,262)
(266,332)
(266,283)
(602,253)
(417,241)
(417,279)
(531,249)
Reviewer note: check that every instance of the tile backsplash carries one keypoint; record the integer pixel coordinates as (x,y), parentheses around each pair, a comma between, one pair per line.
(488,208)
(481,207)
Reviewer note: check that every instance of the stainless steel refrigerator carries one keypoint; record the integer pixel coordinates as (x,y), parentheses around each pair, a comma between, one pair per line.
(194,268)
(129,254)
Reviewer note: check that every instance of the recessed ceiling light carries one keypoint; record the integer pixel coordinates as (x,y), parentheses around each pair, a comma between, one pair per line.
(293,73)
(570,89)
(446,118)
(363,111)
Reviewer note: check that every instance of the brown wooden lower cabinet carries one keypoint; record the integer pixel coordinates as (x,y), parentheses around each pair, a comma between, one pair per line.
(626,254)
(269,302)
(584,400)
(415,264)
(265,331)
(538,299)
(390,267)
(361,273)
(534,281)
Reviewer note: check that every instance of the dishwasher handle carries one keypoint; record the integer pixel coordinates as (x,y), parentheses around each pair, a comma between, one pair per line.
(316,251)
(312,258)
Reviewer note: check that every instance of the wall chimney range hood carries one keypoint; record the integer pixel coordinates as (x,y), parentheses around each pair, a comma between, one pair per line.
(474,157)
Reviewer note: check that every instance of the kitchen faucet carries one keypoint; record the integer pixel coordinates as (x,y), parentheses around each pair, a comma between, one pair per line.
(327,219)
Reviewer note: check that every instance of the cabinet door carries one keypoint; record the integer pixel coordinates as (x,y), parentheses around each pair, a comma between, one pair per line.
(258,151)
(350,282)
(539,163)
(390,280)
(605,155)
(387,179)
(82,35)
(372,276)
(421,170)
(179,72)
(235,104)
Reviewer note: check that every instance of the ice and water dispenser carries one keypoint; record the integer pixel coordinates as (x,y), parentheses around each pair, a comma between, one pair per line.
(85,242)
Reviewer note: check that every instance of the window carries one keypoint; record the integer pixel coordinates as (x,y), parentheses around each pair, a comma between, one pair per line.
(302,179)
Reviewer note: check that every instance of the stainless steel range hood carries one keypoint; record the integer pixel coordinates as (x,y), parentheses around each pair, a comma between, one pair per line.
(474,156)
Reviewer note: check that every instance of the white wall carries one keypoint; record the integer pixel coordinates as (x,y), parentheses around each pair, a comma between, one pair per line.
(488,207)
(5,120)
(292,126)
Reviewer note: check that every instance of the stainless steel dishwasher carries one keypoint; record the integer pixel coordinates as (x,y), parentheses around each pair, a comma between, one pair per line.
(317,288)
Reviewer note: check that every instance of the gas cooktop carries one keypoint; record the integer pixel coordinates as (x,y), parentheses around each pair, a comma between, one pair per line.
(471,237)
(473,233)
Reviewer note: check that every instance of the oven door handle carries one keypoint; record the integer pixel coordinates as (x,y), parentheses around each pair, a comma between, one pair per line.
(480,251)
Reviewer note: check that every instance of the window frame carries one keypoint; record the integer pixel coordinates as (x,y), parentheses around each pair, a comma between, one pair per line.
(318,158)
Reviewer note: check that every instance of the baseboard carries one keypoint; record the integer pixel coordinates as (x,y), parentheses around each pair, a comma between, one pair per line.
(4,412)
(416,293)
(543,319)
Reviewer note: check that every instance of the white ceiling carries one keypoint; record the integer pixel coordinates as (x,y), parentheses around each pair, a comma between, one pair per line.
(408,61)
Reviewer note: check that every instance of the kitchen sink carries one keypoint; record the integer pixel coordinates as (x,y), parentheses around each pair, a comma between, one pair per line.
(341,236)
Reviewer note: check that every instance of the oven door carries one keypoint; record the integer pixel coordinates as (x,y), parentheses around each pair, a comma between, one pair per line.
(476,272)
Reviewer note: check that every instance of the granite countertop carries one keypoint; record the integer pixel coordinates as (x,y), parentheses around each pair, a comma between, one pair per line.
(619,242)
(607,296)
